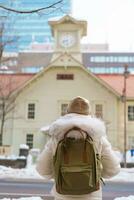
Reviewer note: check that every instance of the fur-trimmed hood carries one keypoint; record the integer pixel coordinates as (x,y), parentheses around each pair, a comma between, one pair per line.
(93,126)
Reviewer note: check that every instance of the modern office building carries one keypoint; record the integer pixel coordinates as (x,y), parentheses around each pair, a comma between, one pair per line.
(97,62)
(31,27)
(109,62)
(35,44)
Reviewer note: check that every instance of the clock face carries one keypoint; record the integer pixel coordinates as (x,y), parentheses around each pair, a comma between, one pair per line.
(67,39)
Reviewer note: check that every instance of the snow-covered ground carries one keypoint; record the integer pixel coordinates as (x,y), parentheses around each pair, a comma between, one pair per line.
(125,198)
(24,173)
(38,198)
(31,173)
(125,175)
(25,198)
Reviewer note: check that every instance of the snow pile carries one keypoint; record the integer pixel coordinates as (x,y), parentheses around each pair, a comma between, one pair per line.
(126,175)
(25,173)
(8,172)
(129,156)
(38,198)
(24,198)
(11,157)
(125,198)
(24,146)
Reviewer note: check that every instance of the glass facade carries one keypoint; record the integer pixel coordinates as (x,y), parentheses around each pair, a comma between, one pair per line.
(25,28)
(109,62)
(113,59)
(108,70)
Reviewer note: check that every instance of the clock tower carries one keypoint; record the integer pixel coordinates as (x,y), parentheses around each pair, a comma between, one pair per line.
(67,33)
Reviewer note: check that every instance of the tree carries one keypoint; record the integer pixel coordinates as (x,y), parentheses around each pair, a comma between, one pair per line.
(6,41)
(6,25)
(7,100)
(57,3)
(7,82)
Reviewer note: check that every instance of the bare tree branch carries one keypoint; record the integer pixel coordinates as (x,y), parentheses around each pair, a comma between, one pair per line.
(31,11)
(7,101)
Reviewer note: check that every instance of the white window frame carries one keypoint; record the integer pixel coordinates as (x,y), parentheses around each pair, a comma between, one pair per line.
(60,103)
(131,142)
(31,101)
(132,105)
(103,103)
(64,111)
(99,114)
(32,111)
(30,143)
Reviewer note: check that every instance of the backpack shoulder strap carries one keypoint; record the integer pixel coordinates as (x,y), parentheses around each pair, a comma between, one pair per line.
(81,132)
(75,129)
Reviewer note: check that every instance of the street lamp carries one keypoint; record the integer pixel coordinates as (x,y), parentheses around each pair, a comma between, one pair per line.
(124,99)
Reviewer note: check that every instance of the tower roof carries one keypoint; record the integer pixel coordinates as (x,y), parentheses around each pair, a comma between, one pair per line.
(67,19)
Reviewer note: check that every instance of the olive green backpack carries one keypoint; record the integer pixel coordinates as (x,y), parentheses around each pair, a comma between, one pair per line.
(77,165)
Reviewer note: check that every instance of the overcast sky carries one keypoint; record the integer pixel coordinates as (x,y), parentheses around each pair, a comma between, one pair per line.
(110,21)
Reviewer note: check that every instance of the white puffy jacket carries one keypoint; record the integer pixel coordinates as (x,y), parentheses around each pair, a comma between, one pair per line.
(96,129)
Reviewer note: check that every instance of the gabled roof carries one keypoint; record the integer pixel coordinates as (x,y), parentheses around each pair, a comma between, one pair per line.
(116,81)
(77,64)
(12,82)
(113,82)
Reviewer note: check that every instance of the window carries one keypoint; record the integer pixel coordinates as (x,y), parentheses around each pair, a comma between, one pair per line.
(1,108)
(131,59)
(31,111)
(107,59)
(65,76)
(0,140)
(91,59)
(31,69)
(99,110)
(29,140)
(64,109)
(130,113)
(131,142)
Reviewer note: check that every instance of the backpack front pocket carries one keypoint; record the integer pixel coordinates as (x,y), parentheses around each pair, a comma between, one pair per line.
(77,178)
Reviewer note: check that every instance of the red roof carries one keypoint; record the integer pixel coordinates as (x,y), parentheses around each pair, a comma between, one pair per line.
(116,81)
(11,82)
